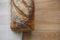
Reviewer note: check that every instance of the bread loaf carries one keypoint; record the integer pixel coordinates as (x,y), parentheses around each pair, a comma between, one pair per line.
(22,15)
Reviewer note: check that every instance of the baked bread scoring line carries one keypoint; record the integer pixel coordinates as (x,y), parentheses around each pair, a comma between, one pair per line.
(20,12)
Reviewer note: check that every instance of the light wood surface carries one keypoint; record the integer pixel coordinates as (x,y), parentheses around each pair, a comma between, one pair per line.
(47,21)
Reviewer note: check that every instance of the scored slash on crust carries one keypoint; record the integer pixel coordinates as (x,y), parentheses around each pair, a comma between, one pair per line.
(26,4)
(21,13)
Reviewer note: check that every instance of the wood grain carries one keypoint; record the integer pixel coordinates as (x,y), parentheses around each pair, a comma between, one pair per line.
(47,21)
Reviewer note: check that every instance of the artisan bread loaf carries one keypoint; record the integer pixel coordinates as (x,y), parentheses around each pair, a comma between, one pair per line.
(22,15)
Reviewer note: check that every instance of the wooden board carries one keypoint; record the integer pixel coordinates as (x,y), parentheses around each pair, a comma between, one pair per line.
(47,21)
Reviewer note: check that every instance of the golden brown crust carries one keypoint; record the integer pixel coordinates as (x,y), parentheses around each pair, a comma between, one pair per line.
(31,22)
(18,10)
